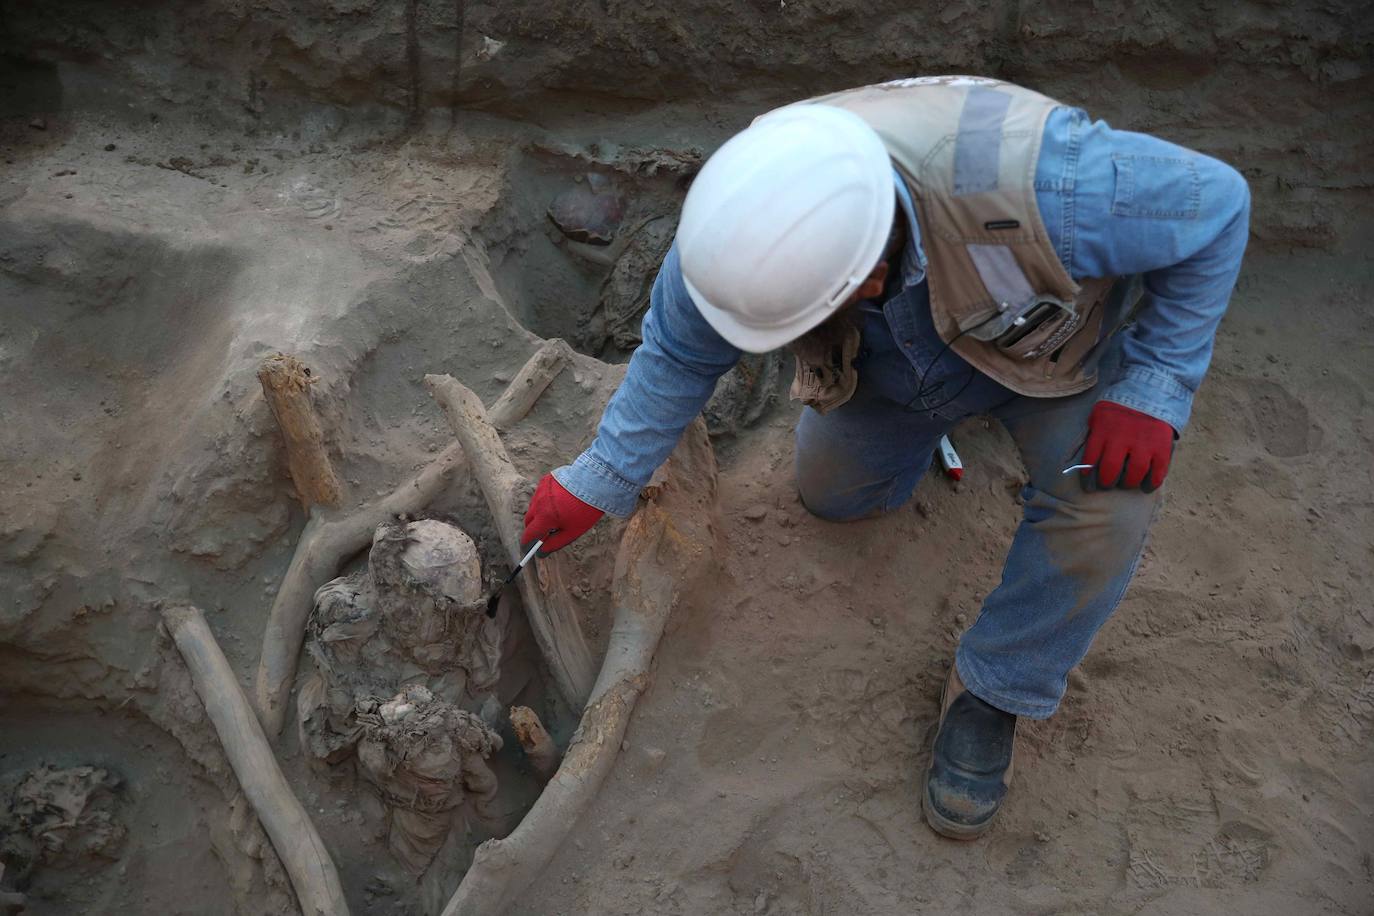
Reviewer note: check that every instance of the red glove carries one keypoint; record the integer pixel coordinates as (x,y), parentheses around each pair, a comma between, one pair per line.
(1130,449)
(554,509)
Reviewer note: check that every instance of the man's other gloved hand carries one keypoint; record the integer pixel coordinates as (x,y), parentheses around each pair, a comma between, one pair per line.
(1130,449)
(554,509)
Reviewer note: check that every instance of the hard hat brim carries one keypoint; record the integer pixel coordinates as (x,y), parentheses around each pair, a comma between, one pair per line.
(753,339)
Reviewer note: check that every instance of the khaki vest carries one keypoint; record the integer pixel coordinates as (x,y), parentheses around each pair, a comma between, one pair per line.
(967,148)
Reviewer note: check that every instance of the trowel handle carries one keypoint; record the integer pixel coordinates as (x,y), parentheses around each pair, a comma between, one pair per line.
(523,560)
(495,596)
(526,558)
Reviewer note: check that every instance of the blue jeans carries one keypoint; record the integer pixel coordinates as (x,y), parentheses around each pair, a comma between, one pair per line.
(1074,552)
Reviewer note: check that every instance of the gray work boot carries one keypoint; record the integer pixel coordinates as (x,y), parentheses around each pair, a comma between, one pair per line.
(970,763)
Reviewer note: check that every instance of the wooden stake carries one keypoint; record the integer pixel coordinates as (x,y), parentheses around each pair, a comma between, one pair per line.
(662,551)
(539,747)
(298,844)
(554,622)
(286,384)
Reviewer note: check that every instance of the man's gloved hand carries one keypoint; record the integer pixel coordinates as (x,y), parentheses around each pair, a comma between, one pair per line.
(554,509)
(1130,449)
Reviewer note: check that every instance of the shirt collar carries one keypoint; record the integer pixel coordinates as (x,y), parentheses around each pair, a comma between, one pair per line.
(913,256)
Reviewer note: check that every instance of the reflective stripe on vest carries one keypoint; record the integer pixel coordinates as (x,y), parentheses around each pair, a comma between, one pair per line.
(967,148)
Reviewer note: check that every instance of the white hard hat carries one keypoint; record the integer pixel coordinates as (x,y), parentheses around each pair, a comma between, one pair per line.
(784,222)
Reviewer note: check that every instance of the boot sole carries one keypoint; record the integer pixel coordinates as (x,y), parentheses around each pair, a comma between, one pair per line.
(944,826)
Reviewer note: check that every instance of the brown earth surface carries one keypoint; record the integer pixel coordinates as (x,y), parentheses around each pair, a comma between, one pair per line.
(187,189)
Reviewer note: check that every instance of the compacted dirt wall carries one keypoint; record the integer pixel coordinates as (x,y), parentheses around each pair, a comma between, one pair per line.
(1263,84)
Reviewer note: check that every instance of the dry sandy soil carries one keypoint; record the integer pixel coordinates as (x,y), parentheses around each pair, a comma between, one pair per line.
(366,184)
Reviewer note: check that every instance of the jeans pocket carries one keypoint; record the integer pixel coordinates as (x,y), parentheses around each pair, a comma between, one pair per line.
(1156,187)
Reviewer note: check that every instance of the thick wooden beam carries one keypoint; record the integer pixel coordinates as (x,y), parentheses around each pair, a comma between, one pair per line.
(286,384)
(283,818)
(552,618)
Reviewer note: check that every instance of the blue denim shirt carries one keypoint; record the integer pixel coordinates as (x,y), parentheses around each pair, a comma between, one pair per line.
(1114,203)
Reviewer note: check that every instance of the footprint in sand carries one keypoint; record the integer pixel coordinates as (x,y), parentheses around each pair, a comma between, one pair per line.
(1285,429)
(1178,837)
(315,202)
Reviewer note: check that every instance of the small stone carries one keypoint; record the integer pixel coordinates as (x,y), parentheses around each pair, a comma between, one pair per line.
(378,886)
(39,124)
(110,147)
(756,512)
(961,619)
(490,48)
(761,902)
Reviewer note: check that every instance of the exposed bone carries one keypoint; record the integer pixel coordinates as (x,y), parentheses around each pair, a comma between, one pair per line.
(286,384)
(426,586)
(294,837)
(664,546)
(443,556)
(550,612)
(539,747)
(328,540)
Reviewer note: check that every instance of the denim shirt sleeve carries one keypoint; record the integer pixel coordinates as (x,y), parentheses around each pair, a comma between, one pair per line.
(670,378)
(1141,205)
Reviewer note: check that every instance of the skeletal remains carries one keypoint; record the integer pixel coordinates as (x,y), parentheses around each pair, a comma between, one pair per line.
(407,663)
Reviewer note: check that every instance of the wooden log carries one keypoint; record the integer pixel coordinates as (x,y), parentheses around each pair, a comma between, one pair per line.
(529,383)
(286,384)
(662,550)
(298,844)
(324,545)
(534,739)
(554,622)
(328,541)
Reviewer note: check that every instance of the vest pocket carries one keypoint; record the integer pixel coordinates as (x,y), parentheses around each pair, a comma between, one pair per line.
(1158,187)
(1044,333)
